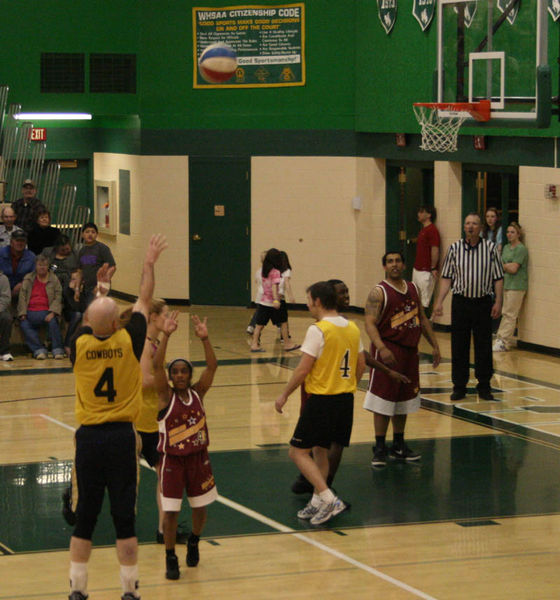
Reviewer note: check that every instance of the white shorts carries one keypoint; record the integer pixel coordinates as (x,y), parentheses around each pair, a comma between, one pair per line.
(388,408)
(425,282)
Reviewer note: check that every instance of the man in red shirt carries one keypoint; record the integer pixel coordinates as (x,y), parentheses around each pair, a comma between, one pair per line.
(425,270)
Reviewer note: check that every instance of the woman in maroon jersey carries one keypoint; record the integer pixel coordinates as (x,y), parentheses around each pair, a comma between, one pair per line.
(183,442)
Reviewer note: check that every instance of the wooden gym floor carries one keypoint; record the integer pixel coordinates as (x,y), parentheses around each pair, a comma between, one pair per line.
(478,517)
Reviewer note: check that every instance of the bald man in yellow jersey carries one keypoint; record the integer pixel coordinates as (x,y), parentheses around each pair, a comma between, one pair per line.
(106,363)
(331,365)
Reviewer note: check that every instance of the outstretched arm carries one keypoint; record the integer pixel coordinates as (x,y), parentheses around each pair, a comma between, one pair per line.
(160,377)
(157,245)
(207,377)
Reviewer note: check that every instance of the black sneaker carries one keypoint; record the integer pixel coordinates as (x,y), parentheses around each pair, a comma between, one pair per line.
(301,486)
(193,555)
(67,512)
(458,395)
(129,596)
(171,567)
(77,596)
(486,395)
(379,457)
(404,453)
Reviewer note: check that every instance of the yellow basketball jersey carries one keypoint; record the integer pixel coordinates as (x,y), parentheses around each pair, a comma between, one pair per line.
(147,419)
(334,372)
(108,379)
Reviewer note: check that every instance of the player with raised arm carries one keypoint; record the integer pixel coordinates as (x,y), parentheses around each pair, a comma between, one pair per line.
(183,442)
(106,361)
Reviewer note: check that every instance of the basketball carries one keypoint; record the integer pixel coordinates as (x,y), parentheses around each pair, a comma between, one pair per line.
(217,63)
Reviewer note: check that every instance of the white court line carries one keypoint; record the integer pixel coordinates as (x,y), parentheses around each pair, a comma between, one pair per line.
(284,529)
(14,416)
(57,422)
(517,389)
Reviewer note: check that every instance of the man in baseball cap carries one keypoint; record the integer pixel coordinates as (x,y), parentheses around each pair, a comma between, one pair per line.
(27,206)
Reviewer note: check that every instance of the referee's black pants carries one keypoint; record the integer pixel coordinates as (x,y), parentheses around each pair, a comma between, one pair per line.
(471,315)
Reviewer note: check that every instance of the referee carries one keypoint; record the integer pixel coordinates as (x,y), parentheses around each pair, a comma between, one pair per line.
(473,271)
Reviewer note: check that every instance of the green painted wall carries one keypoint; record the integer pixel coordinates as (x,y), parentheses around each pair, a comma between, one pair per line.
(395,70)
(168,99)
(30,28)
(360,87)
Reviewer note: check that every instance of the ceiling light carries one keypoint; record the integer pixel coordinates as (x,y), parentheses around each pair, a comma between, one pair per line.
(53,117)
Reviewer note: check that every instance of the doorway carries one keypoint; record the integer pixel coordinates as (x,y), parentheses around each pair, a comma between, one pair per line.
(219,230)
(408,187)
(496,187)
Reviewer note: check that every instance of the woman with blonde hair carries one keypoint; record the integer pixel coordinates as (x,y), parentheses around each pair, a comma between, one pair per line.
(514,259)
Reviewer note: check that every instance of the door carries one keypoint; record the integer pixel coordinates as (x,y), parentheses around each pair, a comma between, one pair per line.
(408,187)
(77,172)
(219,230)
(496,187)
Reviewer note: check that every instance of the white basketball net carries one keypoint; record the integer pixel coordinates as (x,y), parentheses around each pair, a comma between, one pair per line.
(439,129)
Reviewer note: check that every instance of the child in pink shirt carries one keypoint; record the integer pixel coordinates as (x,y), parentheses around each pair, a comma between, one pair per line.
(269,307)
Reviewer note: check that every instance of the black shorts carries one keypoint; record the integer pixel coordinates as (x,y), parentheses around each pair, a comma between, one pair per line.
(149,447)
(106,457)
(269,313)
(323,420)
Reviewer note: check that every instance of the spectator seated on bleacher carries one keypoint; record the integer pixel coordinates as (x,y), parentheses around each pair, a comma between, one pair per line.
(42,234)
(8,217)
(40,303)
(5,318)
(16,261)
(62,258)
(27,207)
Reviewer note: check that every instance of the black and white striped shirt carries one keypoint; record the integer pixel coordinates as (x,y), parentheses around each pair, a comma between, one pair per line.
(472,269)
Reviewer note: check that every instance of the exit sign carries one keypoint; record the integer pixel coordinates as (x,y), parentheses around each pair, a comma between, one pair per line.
(38,134)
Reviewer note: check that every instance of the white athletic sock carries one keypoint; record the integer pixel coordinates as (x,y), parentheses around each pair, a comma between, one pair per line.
(129,579)
(78,577)
(327,496)
(315,500)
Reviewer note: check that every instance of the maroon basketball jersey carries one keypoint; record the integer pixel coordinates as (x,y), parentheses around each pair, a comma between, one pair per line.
(400,318)
(182,430)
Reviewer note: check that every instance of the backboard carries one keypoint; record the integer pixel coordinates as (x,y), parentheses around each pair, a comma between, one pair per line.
(495,50)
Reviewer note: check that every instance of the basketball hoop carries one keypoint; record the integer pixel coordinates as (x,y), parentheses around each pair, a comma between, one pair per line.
(441,121)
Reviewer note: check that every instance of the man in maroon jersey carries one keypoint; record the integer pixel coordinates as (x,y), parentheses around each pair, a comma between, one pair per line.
(395,320)
(425,270)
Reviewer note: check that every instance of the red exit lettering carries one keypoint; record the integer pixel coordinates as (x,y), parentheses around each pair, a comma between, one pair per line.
(38,134)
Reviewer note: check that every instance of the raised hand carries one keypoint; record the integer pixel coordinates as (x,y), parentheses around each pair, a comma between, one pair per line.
(158,243)
(105,273)
(171,323)
(200,329)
